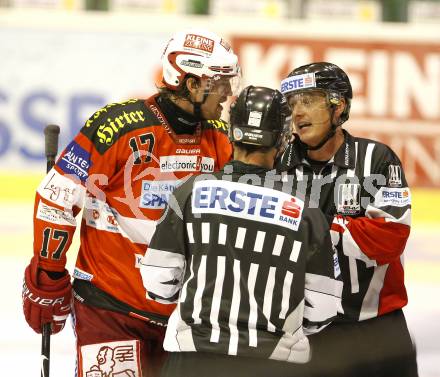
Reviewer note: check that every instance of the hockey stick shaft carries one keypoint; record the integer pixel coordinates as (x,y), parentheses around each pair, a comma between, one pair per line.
(51,133)
(45,350)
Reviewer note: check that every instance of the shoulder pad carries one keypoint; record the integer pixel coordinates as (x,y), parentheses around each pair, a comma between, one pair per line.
(219,125)
(108,124)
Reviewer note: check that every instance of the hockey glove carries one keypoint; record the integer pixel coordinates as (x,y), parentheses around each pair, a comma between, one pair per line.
(45,300)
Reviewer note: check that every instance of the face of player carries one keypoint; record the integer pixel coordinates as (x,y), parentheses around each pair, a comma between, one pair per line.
(218,92)
(310,115)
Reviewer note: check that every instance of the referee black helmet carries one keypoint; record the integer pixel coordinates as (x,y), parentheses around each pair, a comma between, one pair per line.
(324,76)
(260,116)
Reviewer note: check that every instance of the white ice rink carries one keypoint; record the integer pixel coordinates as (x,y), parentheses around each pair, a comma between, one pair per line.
(20,346)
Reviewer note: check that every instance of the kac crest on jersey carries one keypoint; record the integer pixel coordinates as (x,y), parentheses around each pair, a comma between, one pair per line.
(394,176)
(349,199)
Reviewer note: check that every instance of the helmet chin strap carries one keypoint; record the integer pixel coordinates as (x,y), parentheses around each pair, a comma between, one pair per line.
(328,136)
(198,110)
(198,105)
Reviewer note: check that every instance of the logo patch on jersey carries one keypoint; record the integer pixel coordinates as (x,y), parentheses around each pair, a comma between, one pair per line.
(186,163)
(111,359)
(336,266)
(99,215)
(349,199)
(187,151)
(397,197)
(247,202)
(108,132)
(394,176)
(60,189)
(82,275)
(75,160)
(54,215)
(138,260)
(155,194)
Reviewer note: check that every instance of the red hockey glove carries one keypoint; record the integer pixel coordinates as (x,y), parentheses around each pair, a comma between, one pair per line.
(45,300)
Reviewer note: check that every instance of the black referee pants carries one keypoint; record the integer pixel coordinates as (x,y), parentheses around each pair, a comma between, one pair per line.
(202,364)
(379,347)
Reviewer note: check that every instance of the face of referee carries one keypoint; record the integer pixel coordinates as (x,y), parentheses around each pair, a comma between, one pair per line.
(311,115)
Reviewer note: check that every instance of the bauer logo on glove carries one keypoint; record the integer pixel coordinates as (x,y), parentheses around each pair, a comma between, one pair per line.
(45,300)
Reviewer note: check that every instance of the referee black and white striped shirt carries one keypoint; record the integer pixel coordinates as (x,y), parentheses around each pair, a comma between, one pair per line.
(251,268)
(363,191)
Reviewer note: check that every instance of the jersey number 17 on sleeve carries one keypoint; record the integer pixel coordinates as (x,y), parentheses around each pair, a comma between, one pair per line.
(57,234)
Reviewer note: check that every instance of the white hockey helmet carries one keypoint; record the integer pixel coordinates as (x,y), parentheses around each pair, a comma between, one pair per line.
(199,53)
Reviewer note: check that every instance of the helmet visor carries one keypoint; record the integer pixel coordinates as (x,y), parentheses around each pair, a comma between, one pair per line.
(309,99)
(223,85)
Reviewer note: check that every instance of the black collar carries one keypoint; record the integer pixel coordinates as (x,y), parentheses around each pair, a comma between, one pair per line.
(345,157)
(241,167)
(296,152)
(180,121)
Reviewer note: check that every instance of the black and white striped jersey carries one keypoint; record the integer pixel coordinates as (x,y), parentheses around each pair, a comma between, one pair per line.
(363,189)
(251,268)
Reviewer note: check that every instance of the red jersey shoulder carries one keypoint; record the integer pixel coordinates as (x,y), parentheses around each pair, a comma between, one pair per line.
(218,125)
(111,122)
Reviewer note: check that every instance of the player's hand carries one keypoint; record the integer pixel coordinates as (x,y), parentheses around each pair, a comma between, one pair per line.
(45,300)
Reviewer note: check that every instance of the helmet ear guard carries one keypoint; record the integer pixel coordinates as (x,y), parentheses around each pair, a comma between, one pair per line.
(172,74)
(334,98)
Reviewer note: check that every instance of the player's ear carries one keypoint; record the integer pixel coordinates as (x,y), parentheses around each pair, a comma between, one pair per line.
(340,107)
(192,84)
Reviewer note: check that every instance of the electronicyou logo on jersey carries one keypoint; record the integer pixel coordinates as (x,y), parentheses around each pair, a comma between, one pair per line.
(186,163)
(247,201)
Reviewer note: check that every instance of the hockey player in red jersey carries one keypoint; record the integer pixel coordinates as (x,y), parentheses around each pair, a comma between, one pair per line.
(360,186)
(121,168)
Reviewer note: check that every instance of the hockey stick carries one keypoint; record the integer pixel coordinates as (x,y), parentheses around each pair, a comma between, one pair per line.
(51,133)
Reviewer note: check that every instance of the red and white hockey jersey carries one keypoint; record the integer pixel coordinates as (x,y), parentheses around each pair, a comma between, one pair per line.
(121,168)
